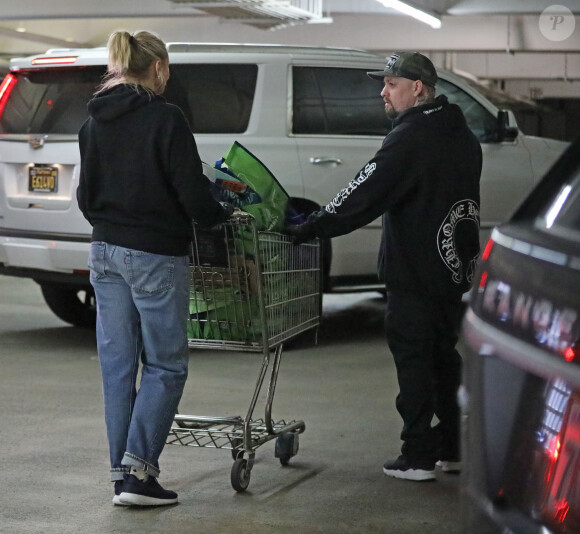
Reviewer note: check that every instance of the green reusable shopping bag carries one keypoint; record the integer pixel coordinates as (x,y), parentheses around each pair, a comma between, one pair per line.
(269,213)
(224,314)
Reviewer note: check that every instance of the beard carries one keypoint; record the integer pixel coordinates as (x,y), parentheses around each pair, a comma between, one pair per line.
(391,113)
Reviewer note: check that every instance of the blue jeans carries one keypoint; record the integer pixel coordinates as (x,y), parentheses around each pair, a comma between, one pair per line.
(142,306)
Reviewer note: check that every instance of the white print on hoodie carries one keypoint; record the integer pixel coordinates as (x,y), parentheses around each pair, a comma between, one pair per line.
(352,185)
(465,210)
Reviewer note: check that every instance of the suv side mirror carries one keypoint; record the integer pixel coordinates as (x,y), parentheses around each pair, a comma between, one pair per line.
(505,132)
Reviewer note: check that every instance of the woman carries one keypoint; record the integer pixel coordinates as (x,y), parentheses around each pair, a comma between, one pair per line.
(140,186)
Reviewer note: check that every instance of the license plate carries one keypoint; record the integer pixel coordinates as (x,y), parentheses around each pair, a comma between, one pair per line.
(43,179)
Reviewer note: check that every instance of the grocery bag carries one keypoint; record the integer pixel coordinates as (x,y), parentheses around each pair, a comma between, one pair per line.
(266,200)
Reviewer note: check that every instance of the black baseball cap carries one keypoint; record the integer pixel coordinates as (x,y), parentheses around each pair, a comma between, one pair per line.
(410,65)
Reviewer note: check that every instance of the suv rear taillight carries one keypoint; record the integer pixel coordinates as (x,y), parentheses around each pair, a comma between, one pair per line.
(487,249)
(5,89)
(484,258)
(54,60)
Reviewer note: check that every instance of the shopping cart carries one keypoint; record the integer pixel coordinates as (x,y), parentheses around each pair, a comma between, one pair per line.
(250,291)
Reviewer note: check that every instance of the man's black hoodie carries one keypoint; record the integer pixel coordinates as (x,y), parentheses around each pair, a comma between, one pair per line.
(141,181)
(424,180)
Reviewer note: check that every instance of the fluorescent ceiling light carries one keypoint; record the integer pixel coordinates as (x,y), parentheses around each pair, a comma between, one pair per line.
(419,14)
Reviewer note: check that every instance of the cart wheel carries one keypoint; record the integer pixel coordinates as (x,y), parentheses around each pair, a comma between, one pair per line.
(240,477)
(286,447)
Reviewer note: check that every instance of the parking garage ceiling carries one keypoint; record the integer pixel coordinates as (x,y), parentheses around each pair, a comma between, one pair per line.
(31,9)
(491,39)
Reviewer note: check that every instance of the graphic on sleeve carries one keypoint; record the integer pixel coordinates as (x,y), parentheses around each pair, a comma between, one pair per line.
(462,212)
(352,185)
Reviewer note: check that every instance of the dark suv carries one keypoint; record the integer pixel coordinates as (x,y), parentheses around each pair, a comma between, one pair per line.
(521,391)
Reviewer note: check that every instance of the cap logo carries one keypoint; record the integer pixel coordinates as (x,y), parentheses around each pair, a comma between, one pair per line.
(392,60)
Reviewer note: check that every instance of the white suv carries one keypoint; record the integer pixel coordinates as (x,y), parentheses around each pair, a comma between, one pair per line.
(310,114)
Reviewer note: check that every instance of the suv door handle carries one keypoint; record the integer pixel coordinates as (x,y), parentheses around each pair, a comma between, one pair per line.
(320,160)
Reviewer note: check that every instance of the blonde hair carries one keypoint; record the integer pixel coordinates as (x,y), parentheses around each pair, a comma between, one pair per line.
(131,56)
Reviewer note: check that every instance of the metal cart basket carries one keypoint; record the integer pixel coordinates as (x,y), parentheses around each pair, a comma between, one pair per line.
(250,291)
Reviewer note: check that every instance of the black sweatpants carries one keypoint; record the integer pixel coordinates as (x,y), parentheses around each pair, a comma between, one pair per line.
(422,334)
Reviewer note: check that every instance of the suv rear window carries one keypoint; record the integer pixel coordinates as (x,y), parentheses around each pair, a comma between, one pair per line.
(214,98)
(50,101)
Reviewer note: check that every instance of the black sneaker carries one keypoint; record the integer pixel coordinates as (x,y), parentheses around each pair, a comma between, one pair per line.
(146,492)
(118,491)
(402,467)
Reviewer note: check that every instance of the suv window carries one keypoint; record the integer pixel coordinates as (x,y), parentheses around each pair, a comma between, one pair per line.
(214,98)
(50,101)
(336,101)
(342,102)
(480,121)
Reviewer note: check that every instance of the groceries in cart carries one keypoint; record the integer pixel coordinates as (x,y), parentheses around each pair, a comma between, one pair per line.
(247,284)
(238,266)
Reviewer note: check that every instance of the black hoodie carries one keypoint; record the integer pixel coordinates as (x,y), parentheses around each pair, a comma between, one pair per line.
(424,180)
(141,181)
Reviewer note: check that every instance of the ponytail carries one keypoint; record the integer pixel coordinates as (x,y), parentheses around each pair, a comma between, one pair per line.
(119,47)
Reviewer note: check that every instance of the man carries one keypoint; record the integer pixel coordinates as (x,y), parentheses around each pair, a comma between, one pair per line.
(424,181)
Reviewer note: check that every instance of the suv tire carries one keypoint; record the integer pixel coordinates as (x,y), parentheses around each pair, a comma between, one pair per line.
(75,305)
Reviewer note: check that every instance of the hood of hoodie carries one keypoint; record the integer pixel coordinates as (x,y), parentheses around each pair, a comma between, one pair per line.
(117,101)
(449,117)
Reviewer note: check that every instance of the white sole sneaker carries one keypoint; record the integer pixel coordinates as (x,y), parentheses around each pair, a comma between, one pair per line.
(117,501)
(134,499)
(448,466)
(410,474)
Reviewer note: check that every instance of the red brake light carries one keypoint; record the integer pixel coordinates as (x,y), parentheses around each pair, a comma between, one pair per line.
(553,449)
(54,60)
(5,89)
(487,250)
(483,280)
(570,353)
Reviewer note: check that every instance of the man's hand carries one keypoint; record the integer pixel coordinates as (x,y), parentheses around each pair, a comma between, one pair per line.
(228,210)
(300,233)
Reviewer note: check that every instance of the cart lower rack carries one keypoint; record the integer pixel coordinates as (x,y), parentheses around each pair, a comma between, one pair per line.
(250,291)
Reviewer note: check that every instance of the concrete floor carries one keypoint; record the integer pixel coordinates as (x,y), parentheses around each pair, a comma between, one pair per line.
(54,472)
